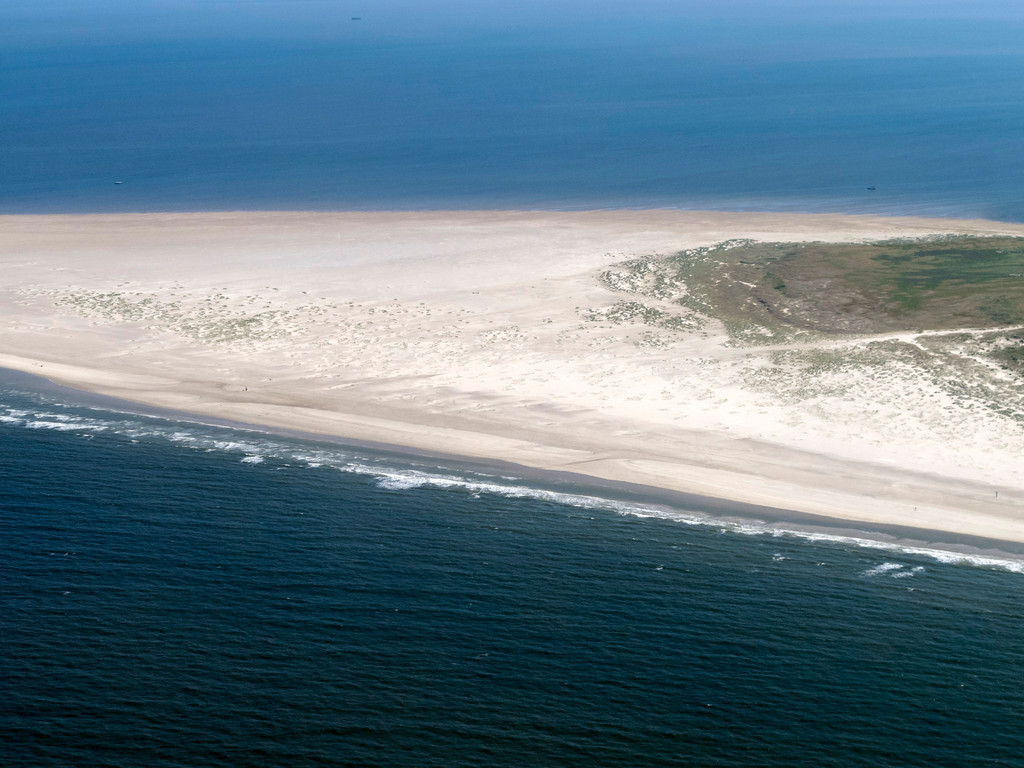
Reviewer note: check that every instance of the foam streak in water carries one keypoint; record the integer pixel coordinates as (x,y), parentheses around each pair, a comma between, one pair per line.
(391,477)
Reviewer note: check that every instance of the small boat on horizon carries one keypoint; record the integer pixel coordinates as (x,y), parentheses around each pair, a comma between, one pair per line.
(872,189)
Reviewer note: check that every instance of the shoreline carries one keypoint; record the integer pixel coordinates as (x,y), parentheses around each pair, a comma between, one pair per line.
(742,207)
(712,510)
(558,413)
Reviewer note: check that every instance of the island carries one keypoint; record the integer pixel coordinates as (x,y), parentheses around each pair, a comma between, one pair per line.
(860,368)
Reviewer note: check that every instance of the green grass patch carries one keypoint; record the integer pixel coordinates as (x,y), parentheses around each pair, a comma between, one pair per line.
(769,291)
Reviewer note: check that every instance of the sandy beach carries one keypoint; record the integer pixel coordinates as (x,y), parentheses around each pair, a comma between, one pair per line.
(489,335)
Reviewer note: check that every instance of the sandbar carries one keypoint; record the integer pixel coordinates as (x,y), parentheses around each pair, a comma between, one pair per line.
(488,334)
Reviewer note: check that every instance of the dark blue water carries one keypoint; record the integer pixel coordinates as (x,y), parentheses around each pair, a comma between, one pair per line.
(296,106)
(179,595)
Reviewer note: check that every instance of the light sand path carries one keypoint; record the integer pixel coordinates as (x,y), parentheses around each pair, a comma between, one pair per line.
(468,333)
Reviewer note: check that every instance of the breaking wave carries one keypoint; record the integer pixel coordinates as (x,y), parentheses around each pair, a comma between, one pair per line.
(388,474)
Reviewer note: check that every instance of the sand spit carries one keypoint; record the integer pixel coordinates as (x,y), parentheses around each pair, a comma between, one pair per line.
(492,334)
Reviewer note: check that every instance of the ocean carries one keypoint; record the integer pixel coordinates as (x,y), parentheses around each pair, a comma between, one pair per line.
(174,593)
(181,594)
(433,105)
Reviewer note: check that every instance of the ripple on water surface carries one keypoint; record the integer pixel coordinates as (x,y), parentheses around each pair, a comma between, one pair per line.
(177,594)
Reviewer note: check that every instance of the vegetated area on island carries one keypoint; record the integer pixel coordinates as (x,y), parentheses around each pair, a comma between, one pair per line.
(895,285)
(947,309)
(769,292)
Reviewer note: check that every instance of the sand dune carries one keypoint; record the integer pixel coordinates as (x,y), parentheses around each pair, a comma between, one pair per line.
(489,334)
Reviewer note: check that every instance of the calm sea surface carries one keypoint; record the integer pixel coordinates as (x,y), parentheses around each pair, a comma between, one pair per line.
(564,107)
(174,594)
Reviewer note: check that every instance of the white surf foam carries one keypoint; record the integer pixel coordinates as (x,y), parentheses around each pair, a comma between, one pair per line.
(753,528)
(64,426)
(907,573)
(389,477)
(409,479)
(883,568)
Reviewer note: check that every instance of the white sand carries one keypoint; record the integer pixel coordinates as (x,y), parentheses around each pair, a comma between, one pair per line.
(466,333)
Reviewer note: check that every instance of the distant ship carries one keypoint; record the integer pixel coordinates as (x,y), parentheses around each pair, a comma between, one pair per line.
(872,189)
